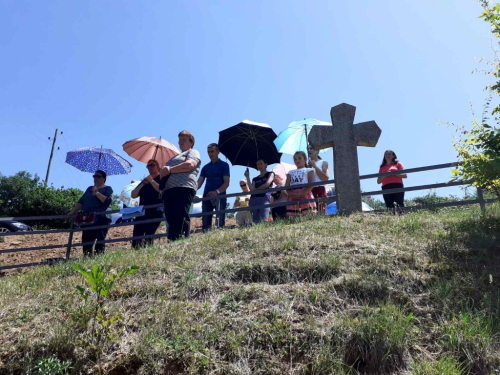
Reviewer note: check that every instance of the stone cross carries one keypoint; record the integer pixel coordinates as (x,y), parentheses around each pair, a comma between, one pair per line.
(345,137)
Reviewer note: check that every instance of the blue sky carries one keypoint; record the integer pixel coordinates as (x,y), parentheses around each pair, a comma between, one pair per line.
(107,72)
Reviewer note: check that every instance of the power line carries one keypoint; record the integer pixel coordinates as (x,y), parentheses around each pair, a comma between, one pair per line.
(65,171)
(69,149)
(27,132)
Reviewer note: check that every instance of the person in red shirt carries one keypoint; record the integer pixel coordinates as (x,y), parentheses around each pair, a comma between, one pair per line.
(390,163)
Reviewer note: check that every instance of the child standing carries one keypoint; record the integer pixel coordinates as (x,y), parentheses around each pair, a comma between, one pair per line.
(300,176)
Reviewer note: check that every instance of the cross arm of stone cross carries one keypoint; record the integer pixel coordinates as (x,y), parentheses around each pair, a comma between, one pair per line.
(366,134)
(344,130)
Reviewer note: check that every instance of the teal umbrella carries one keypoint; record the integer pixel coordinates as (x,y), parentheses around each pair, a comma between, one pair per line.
(294,137)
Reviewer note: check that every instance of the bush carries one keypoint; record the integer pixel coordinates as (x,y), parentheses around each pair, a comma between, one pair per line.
(478,147)
(432,198)
(25,195)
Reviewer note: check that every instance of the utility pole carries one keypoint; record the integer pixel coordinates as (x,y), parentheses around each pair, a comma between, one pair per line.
(50,159)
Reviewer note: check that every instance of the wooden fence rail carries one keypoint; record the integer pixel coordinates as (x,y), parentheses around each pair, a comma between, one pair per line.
(481,201)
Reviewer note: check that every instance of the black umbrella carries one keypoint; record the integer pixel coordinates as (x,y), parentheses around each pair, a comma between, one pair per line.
(246,142)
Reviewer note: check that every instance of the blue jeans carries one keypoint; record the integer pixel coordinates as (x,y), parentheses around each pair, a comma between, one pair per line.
(259,214)
(209,206)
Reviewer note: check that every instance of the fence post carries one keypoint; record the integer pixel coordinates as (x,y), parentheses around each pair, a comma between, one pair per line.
(70,239)
(217,208)
(481,198)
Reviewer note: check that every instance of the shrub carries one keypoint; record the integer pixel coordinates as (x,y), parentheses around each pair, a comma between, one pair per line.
(478,147)
(25,195)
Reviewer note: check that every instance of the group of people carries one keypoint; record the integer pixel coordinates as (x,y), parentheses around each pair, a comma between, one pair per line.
(176,183)
(308,171)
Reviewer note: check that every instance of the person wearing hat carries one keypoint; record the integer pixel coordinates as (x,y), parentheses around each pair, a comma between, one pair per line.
(97,198)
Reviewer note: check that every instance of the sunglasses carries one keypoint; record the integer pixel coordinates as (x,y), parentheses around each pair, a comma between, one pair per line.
(243,185)
(150,165)
(97,176)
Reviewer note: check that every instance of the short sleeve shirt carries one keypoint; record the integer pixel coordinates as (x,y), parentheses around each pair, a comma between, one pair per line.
(91,203)
(259,181)
(214,174)
(391,168)
(185,179)
(299,176)
(243,200)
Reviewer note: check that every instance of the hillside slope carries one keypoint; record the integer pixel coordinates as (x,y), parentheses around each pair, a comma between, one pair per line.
(417,293)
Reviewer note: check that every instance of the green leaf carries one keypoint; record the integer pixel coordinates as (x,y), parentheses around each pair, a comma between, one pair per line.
(131,270)
(82,292)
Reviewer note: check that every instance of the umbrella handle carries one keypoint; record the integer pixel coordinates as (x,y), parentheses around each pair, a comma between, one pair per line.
(99,162)
(305,131)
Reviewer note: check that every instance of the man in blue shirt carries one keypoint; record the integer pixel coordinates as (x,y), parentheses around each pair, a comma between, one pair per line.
(217,175)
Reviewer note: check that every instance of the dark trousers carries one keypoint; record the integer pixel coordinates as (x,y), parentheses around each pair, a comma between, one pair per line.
(92,235)
(278,213)
(389,199)
(177,202)
(145,229)
(209,206)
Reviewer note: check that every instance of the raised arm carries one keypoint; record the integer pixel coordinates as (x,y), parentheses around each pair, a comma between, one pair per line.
(323,173)
(268,183)
(184,167)
(249,183)
(187,166)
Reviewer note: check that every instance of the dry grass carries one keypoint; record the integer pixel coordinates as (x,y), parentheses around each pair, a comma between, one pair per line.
(372,294)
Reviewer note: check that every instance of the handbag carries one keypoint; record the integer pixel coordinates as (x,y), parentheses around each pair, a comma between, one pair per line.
(85,219)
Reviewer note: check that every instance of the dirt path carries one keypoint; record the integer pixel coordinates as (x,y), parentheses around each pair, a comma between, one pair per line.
(13,242)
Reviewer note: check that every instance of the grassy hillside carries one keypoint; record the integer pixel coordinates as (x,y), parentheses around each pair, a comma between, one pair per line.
(415,294)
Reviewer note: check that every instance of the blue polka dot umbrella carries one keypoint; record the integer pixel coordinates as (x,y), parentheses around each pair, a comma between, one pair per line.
(90,159)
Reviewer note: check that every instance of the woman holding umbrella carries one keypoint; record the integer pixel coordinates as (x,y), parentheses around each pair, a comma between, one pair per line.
(148,191)
(182,172)
(97,198)
(261,182)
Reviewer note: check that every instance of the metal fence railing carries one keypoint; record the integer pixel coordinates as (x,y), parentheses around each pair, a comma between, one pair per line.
(73,229)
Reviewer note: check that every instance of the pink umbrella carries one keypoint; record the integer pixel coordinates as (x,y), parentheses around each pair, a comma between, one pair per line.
(147,148)
(283,168)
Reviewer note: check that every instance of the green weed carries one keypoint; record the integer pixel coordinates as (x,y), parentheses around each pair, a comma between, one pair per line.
(101,283)
(467,336)
(446,365)
(52,366)
(379,338)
